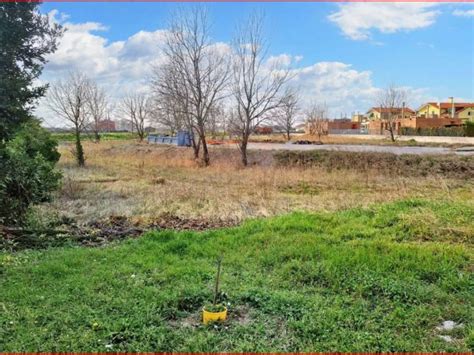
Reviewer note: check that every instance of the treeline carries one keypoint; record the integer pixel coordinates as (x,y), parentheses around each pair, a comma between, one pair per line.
(27,152)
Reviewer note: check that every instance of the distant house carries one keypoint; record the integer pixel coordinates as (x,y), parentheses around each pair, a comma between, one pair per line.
(358,118)
(300,127)
(382,113)
(263,130)
(124,125)
(106,126)
(466,113)
(462,110)
(345,125)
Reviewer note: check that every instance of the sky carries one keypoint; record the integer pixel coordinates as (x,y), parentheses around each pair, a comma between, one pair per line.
(341,54)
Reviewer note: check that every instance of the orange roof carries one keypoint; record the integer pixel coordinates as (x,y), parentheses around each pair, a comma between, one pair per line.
(394,109)
(457,105)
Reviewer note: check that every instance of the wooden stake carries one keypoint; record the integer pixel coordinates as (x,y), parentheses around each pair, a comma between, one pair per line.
(216,290)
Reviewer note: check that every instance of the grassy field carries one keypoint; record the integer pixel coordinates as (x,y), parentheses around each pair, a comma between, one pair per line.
(106,136)
(376,279)
(143,182)
(333,255)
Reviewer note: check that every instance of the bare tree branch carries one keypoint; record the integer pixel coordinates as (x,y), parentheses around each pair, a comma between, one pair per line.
(316,120)
(69,100)
(98,107)
(256,87)
(391,102)
(194,78)
(137,108)
(287,114)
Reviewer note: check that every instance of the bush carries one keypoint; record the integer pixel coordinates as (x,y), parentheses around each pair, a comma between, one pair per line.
(440,131)
(469,129)
(33,139)
(449,166)
(27,173)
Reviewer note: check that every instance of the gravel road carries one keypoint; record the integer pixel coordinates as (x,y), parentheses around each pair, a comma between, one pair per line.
(362,148)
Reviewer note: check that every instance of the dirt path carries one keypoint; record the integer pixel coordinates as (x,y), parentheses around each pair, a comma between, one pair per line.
(360,148)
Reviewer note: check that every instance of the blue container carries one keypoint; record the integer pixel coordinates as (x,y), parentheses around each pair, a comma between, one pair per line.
(184,139)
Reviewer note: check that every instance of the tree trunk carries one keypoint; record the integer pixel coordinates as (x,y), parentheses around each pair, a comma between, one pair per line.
(79,151)
(243,150)
(205,151)
(141,134)
(196,146)
(97,136)
(390,128)
(288,138)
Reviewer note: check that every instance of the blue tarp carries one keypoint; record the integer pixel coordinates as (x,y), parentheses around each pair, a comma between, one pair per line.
(182,139)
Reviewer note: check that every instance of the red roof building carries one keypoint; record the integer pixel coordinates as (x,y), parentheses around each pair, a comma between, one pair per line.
(106,126)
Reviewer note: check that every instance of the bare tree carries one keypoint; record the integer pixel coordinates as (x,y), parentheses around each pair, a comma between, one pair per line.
(98,107)
(216,121)
(199,69)
(167,115)
(316,120)
(172,100)
(287,114)
(69,100)
(137,108)
(391,102)
(256,84)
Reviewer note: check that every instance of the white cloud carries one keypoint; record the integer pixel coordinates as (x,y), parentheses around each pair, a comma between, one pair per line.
(120,66)
(336,84)
(282,60)
(357,20)
(124,66)
(464,13)
(343,89)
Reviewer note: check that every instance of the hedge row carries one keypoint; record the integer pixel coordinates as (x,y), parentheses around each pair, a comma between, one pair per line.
(450,166)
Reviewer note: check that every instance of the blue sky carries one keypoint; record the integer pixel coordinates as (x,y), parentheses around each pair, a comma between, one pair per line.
(425,47)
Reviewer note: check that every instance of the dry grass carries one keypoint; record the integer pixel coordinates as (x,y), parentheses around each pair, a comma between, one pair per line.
(144,181)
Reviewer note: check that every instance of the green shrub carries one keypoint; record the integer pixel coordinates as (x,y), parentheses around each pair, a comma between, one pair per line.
(439,131)
(33,139)
(450,166)
(27,173)
(469,129)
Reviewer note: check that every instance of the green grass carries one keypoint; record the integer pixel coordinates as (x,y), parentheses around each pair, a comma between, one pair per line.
(378,279)
(108,136)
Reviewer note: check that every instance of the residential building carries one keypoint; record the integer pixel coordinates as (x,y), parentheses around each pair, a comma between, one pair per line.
(463,110)
(358,118)
(381,126)
(300,127)
(263,130)
(467,113)
(382,113)
(124,125)
(106,126)
(333,126)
